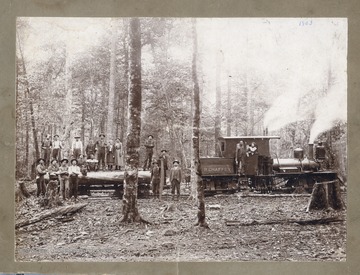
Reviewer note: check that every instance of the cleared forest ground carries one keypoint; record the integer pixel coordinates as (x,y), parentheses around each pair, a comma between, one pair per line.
(95,233)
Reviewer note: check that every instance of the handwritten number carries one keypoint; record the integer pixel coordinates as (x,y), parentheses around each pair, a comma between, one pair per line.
(305,23)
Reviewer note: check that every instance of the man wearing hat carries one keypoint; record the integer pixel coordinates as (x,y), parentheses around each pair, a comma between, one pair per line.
(77,147)
(64,179)
(56,148)
(149,147)
(100,147)
(164,159)
(40,177)
(90,149)
(155,178)
(46,149)
(175,178)
(53,170)
(74,172)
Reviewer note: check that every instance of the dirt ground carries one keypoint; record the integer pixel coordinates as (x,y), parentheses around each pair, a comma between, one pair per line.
(96,234)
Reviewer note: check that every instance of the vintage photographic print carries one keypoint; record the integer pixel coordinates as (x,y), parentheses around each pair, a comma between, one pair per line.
(181,139)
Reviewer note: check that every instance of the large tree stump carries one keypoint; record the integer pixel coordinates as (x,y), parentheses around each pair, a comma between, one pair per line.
(52,195)
(21,191)
(326,195)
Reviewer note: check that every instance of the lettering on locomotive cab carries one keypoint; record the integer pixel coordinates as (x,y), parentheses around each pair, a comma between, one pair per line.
(217,169)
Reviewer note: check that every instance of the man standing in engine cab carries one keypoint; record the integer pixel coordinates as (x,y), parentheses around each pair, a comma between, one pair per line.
(252,149)
(149,147)
(240,157)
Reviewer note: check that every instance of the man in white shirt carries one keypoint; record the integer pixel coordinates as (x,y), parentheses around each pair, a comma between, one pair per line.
(56,148)
(77,147)
(74,172)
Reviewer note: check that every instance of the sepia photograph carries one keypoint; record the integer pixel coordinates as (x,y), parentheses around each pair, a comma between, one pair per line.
(160,139)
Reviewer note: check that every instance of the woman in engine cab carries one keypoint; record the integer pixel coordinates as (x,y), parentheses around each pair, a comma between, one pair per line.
(252,149)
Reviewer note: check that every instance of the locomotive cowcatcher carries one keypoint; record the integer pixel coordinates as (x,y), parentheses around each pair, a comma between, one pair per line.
(260,170)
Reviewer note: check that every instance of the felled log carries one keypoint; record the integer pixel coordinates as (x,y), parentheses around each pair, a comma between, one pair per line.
(109,177)
(285,221)
(51,213)
(326,195)
(273,195)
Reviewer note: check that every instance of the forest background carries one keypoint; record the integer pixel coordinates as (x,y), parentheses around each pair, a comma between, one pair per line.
(287,76)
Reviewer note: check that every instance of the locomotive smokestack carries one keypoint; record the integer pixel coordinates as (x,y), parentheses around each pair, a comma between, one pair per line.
(311,151)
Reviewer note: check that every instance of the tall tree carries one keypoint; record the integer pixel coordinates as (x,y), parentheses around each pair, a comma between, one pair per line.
(29,99)
(130,209)
(228,114)
(110,114)
(219,59)
(196,135)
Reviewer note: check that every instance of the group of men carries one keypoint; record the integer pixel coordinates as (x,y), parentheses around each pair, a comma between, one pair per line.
(102,154)
(66,177)
(175,176)
(109,155)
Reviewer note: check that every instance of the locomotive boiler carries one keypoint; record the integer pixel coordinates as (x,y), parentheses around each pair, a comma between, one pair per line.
(260,170)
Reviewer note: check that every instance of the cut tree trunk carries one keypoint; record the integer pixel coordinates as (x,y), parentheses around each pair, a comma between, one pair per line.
(301,222)
(196,136)
(326,195)
(52,195)
(51,213)
(162,178)
(21,192)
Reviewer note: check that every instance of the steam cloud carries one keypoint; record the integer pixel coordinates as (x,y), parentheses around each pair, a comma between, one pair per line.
(329,110)
(319,90)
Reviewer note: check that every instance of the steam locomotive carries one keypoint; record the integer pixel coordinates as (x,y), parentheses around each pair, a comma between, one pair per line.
(260,171)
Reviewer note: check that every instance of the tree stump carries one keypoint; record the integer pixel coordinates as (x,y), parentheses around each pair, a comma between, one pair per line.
(326,195)
(52,196)
(21,192)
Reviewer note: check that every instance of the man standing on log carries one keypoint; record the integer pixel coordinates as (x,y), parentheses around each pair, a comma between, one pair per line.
(90,149)
(46,148)
(101,151)
(56,148)
(77,147)
(149,145)
(175,179)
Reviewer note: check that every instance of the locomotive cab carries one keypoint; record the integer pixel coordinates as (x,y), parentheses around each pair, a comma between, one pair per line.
(257,162)
(222,173)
